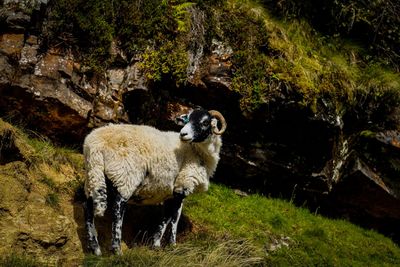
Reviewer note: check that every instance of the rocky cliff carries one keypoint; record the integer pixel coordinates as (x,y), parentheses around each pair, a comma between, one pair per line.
(294,139)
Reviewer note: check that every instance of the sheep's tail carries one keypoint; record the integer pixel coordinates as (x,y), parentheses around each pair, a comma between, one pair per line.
(95,183)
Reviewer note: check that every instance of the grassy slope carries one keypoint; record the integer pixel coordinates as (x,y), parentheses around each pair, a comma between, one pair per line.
(314,240)
(231,230)
(228,229)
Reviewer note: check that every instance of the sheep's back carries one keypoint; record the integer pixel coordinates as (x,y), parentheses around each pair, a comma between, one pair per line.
(139,160)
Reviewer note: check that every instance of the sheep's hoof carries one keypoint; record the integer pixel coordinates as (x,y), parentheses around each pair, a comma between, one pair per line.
(156,245)
(96,251)
(172,244)
(116,251)
(94,248)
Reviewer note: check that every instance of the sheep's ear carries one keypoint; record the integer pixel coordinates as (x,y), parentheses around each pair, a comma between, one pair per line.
(214,123)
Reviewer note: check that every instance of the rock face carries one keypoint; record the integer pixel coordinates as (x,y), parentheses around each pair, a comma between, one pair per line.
(50,93)
(29,224)
(281,150)
(49,90)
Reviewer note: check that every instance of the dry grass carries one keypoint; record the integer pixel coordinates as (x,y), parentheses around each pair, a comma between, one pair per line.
(223,254)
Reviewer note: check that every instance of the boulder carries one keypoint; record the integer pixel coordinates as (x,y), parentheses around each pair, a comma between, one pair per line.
(28,223)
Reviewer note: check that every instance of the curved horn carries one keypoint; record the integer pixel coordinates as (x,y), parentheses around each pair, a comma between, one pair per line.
(221,118)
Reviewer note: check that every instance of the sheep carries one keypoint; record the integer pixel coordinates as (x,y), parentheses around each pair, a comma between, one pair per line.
(147,166)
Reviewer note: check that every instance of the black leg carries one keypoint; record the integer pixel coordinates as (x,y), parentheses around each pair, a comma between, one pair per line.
(119,207)
(175,212)
(160,231)
(172,213)
(93,244)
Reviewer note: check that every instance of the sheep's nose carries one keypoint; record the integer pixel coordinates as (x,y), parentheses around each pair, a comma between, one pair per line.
(183,134)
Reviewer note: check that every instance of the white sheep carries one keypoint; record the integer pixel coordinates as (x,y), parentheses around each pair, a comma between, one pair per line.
(147,166)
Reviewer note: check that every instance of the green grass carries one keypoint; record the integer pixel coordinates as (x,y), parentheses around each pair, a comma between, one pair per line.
(46,152)
(231,230)
(313,239)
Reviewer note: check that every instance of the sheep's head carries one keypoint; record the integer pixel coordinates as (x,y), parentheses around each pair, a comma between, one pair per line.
(199,124)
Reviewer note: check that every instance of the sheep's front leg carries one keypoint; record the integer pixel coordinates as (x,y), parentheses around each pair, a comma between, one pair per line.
(119,207)
(93,244)
(175,212)
(172,213)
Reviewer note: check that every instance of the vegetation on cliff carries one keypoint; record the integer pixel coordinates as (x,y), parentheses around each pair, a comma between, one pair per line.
(274,59)
(330,76)
(372,24)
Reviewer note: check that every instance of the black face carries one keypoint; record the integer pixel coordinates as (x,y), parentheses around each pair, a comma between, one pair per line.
(197,127)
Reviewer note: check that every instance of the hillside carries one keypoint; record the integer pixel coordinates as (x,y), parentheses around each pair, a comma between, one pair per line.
(310,91)
(42,223)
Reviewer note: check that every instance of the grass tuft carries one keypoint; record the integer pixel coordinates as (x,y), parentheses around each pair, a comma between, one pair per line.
(49,182)
(15,260)
(53,200)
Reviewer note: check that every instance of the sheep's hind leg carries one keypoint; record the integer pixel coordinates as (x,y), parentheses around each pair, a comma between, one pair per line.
(93,243)
(118,216)
(172,213)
